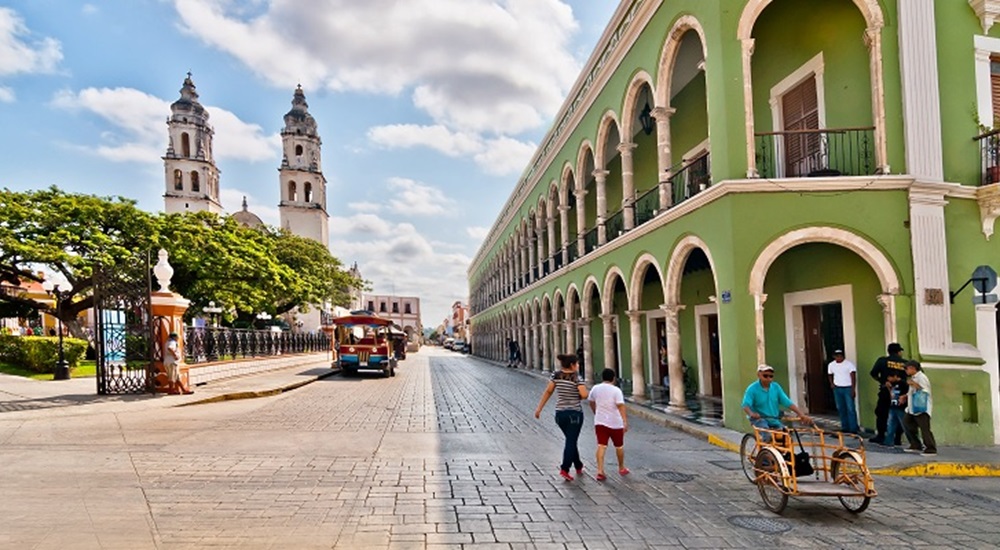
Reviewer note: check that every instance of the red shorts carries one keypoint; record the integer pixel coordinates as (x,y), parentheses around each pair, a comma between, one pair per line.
(604,433)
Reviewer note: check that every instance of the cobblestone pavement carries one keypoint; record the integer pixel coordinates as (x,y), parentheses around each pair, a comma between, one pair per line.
(445,455)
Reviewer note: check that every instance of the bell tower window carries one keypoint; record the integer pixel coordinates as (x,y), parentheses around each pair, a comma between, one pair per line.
(308,192)
(298,150)
(195,183)
(178,180)
(293,192)
(185,145)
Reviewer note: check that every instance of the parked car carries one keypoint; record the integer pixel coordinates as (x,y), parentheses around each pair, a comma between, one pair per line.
(460,346)
(448,343)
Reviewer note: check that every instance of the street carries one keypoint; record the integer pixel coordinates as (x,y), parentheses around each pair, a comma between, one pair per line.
(445,455)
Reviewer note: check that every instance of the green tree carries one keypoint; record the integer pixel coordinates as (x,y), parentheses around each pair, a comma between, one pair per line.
(70,234)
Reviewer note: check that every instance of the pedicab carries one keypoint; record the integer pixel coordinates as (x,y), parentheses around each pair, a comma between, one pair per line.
(807,462)
(362,342)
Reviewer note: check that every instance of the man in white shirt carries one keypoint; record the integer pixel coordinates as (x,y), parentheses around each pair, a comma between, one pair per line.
(610,422)
(844,381)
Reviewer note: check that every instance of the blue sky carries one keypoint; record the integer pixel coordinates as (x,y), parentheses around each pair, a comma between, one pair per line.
(428,109)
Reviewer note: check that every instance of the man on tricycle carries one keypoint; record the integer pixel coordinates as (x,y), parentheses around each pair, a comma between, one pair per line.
(764,400)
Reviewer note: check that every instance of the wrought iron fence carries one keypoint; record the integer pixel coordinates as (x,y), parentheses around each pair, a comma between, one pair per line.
(989,157)
(590,241)
(615,226)
(207,344)
(647,206)
(691,179)
(826,152)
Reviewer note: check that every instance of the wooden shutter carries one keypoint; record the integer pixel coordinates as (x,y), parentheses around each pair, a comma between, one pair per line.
(994,91)
(800,111)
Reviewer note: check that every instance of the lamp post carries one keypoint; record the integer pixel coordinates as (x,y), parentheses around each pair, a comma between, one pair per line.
(59,288)
(298,325)
(213,310)
(263,317)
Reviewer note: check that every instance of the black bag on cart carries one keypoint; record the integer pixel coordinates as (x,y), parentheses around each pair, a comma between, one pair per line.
(803,464)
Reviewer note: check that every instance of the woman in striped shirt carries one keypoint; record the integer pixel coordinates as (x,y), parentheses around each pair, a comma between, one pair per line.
(570,391)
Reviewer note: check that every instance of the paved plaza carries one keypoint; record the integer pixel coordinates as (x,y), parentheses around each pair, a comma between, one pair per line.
(445,455)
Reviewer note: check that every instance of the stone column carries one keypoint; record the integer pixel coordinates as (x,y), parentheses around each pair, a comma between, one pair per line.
(581,219)
(664,158)
(609,352)
(564,228)
(628,184)
(635,341)
(570,327)
(675,362)
(758,318)
(552,242)
(986,340)
(546,329)
(532,262)
(540,236)
(167,309)
(600,182)
(747,47)
(588,351)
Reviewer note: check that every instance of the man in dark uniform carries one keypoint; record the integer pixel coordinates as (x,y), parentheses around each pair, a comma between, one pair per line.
(893,362)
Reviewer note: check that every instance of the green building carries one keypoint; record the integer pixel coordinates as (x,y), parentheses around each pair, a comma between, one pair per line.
(735,182)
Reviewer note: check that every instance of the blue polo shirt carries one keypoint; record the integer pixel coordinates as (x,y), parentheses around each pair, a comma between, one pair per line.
(767,403)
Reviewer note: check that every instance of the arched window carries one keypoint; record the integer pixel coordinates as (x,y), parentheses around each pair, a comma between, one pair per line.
(293,191)
(195,184)
(185,145)
(178,180)
(298,150)
(308,192)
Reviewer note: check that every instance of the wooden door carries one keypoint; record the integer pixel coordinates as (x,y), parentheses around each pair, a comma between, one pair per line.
(800,113)
(714,357)
(817,384)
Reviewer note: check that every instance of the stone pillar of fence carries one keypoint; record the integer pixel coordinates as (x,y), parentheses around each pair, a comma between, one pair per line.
(168,310)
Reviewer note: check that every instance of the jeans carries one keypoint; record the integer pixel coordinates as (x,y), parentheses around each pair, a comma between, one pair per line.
(570,422)
(845,406)
(766,424)
(894,426)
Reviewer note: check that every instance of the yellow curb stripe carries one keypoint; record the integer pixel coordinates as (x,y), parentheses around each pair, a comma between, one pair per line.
(941,469)
(719,442)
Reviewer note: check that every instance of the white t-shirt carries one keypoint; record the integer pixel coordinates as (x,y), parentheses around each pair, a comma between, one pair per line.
(607,397)
(925,384)
(841,372)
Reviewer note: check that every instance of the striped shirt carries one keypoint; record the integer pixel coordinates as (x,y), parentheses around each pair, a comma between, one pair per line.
(567,390)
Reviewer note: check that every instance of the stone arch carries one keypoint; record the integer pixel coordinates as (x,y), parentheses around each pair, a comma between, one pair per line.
(590,285)
(668,55)
(639,80)
(880,264)
(870,9)
(567,178)
(675,267)
(608,288)
(638,273)
(573,297)
(586,152)
(609,122)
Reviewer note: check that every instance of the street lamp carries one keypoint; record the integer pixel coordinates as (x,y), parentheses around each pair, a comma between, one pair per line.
(59,288)
(298,324)
(264,317)
(213,310)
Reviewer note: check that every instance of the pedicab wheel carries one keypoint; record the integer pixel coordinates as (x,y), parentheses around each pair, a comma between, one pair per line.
(770,480)
(847,470)
(747,447)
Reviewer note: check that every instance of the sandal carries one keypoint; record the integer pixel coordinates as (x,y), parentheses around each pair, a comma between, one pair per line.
(600,477)
(624,472)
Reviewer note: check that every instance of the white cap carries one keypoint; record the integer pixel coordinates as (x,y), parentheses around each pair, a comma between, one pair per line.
(762,368)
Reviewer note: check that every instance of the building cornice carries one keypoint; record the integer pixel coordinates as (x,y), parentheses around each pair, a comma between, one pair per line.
(988,12)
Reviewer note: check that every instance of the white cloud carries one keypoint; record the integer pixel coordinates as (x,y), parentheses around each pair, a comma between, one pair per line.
(20,54)
(140,135)
(364,206)
(481,69)
(7,95)
(477,233)
(364,225)
(413,198)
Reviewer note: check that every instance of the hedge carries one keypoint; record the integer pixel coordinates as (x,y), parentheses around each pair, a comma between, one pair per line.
(40,353)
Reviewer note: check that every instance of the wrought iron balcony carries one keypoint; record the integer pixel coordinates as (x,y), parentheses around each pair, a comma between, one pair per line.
(828,152)
(692,178)
(557,259)
(647,206)
(573,252)
(615,226)
(989,157)
(590,241)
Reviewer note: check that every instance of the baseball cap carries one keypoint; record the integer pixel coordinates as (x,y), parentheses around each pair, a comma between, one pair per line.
(838,352)
(762,368)
(894,347)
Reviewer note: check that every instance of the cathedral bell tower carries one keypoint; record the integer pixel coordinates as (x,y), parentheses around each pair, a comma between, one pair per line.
(192,179)
(303,186)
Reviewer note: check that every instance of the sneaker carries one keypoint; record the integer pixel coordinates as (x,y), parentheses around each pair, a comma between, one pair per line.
(929,453)
(600,477)
(913,450)
(624,472)
(565,475)
(876,439)
(579,471)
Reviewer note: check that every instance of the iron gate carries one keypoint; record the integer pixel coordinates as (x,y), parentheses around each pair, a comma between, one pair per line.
(124,336)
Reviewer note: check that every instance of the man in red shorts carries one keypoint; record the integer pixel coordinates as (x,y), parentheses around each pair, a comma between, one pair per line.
(610,422)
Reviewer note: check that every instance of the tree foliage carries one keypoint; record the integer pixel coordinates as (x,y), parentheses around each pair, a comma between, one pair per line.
(214,258)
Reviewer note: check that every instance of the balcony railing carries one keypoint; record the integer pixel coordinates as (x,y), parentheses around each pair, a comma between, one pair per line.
(206,344)
(692,178)
(615,226)
(590,241)
(647,206)
(557,259)
(989,157)
(828,152)
(573,252)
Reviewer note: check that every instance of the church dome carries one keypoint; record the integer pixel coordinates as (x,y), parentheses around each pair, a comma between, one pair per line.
(298,120)
(188,102)
(247,218)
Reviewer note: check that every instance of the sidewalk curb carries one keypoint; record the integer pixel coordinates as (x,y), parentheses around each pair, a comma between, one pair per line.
(940,469)
(258,393)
